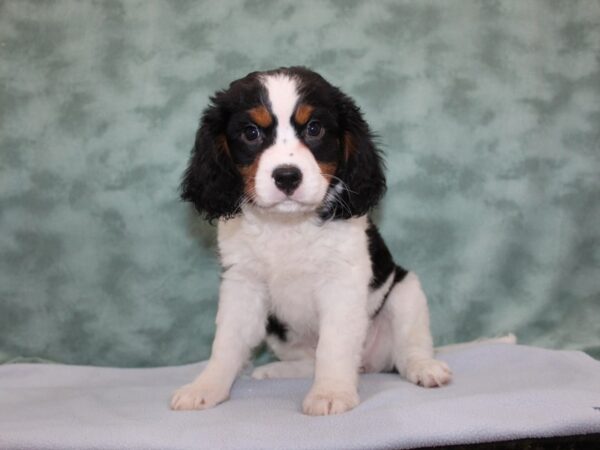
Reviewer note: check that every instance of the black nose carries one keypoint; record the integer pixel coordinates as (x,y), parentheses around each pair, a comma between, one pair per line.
(287,178)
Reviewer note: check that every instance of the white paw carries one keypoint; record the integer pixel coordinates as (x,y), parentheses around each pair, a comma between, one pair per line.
(428,372)
(324,402)
(198,396)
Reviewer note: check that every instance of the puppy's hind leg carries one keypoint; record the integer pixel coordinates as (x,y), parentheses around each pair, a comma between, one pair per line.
(412,342)
(304,368)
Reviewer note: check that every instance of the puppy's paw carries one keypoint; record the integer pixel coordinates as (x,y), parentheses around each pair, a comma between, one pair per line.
(324,402)
(198,396)
(428,372)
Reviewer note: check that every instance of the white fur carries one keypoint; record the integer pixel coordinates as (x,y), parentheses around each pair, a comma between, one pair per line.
(283,94)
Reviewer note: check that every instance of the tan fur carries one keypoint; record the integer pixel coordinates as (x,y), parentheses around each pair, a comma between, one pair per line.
(327,169)
(249,175)
(261,116)
(303,113)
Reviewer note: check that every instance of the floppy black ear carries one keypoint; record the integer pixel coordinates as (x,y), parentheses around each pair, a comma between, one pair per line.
(212,182)
(361,166)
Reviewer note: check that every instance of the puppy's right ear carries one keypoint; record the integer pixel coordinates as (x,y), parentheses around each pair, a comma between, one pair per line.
(212,182)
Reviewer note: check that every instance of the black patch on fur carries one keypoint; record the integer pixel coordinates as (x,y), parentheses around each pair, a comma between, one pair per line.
(401,272)
(211,181)
(245,153)
(363,172)
(382,263)
(315,91)
(398,277)
(277,328)
(324,149)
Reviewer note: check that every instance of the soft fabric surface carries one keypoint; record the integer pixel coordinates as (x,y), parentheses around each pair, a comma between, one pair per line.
(487,111)
(500,392)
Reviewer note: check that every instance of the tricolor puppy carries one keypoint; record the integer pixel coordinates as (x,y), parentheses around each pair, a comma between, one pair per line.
(287,164)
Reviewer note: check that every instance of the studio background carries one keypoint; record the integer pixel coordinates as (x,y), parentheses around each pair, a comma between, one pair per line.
(488,112)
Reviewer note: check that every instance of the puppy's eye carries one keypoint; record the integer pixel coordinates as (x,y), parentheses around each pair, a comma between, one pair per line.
(250,133)
(314,128)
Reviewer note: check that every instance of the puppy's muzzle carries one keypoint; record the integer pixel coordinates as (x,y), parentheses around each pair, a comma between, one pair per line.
(287,178)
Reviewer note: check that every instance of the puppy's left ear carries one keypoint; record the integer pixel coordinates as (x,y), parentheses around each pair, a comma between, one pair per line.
(212,182)
(361,168)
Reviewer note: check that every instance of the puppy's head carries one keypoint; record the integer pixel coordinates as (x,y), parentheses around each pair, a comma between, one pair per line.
(284,141)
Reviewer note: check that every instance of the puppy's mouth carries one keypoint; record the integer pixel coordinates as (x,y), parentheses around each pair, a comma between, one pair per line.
(289,205)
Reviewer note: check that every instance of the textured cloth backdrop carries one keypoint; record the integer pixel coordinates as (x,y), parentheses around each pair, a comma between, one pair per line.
(489,114)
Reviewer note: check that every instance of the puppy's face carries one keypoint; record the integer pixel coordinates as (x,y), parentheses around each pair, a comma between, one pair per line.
(285,141)
(284,145)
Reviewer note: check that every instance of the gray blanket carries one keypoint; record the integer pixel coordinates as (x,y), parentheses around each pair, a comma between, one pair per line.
(499,392)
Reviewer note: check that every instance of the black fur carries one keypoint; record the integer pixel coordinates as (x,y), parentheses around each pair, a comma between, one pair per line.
(212,182)
(401,272)
(382,263)
(362,172)
(276,328)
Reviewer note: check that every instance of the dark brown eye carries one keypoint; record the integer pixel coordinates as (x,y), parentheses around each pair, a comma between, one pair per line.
(250,133)
(314,128)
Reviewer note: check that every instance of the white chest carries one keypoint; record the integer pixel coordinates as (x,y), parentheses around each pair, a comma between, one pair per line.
(296,259)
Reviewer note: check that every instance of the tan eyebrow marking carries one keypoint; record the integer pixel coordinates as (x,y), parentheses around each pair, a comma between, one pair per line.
(261,116)
(303,113)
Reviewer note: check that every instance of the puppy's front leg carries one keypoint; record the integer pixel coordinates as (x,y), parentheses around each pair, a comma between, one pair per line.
(240,327)
(342,329)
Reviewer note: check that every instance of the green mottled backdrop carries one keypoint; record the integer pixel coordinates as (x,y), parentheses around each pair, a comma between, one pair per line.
(489,113)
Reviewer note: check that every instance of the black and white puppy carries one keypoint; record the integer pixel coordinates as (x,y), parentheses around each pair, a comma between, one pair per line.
(287,164)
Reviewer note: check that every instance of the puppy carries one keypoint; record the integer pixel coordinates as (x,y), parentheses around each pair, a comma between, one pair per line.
(287,165)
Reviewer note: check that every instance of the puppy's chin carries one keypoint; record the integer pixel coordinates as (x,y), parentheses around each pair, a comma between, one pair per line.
(285,206)
(289,206)
(276,202)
